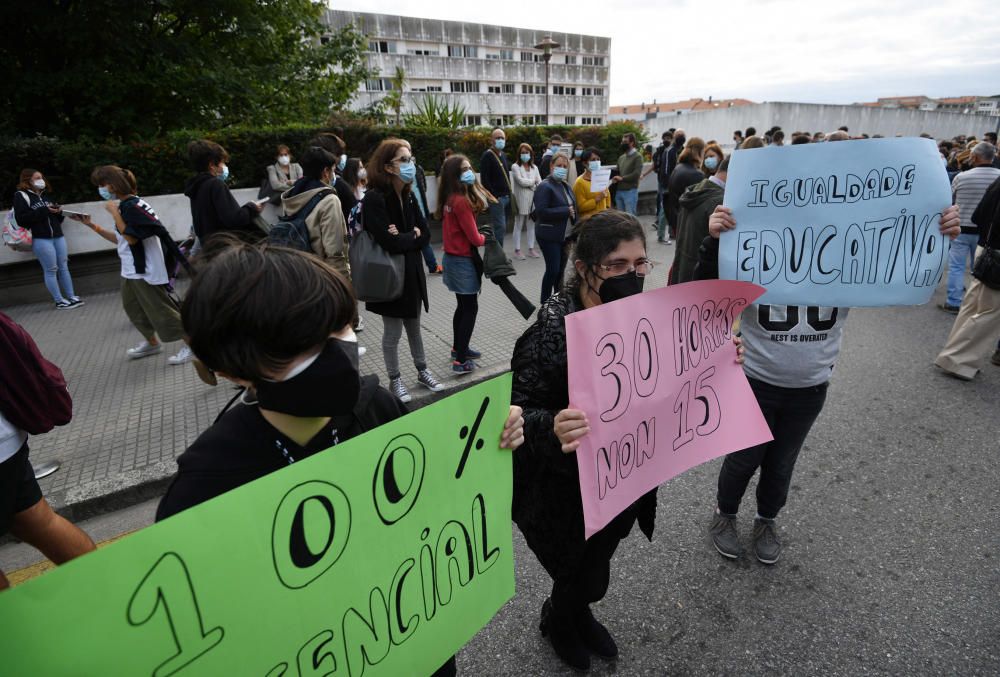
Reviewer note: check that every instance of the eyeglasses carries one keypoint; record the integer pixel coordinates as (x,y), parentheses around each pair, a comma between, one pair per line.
(642,267)
(403,160)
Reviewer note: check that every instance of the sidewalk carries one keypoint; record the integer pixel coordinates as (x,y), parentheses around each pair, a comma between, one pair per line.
(132,418)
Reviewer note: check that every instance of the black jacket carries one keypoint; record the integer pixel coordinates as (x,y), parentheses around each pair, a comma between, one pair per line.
(547,506)
(380,211)
(494,173)
(141,222)
(684,174)
(696,204)
(240,448)
(987,217)
(31,211)
(346,195)
(214,209)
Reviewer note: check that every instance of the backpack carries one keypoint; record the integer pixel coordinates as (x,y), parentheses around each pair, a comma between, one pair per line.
(15,237)
(355,220)
(293,232)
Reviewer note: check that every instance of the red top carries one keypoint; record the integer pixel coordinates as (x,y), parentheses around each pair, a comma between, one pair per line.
(459,230)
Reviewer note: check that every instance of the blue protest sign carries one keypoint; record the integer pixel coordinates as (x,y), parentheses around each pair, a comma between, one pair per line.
(851,223)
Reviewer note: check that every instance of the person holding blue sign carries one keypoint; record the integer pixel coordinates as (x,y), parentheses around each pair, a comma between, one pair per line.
(790,353)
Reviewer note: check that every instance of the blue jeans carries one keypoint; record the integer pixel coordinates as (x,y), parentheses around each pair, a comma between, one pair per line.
(429,259)
(661,216)
(963,253)
(554,254)
(51,254)
(627,200)
(498,217)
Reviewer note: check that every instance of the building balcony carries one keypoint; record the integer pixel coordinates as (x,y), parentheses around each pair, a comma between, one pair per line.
(477,103)
(445,68)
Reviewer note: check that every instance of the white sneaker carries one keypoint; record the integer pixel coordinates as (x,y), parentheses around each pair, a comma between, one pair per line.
(183,356)
(361,351)
(361,323)
(144,349)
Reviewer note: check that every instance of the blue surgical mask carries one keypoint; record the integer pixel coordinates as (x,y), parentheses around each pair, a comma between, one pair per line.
(525,157)
(342,163)
(407,171)
(559,173)
(225,172)
(711,162)
(554,148)
(105,193)
(499,144)
(468,177)
(594,165)
(578,152)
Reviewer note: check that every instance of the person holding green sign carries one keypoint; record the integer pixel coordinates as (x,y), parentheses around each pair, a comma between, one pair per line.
(278,322)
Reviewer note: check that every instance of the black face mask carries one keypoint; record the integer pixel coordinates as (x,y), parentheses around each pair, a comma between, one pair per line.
(328,387)
(620,286)
(679,140)
(626,147)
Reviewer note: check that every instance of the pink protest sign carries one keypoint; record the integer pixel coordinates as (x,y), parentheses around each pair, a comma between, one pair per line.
(656,374)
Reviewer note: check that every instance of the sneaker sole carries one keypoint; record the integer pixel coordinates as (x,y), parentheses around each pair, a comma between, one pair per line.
(142,355)
(433,389)
(767,561)
(727,555)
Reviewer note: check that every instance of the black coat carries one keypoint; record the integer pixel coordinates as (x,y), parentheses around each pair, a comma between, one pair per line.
(215,210)
(547,506)
(379,212)
(987,217)
(685,174)
(31,211)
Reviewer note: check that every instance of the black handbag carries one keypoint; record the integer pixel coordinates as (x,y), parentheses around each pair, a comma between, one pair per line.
(986,267)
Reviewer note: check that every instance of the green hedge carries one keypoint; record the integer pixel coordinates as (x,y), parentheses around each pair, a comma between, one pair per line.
(161,166)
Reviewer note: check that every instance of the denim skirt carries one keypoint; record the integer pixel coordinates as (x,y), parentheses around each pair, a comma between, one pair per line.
(460,274)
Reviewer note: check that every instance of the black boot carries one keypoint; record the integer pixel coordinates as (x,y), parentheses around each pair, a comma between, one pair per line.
(595,636)
(565,639)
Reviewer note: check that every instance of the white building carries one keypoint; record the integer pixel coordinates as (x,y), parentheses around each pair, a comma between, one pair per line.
(494,72)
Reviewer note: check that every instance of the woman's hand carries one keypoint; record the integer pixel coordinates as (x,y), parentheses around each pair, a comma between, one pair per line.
(85,220)
(513,430)
(111,206)
(570,426)
(738,342)
(393,230)
(416,232)
(55,210)
(720,220)
(950,222)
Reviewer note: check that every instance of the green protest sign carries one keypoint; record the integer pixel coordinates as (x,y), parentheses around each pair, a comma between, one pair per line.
(381,556)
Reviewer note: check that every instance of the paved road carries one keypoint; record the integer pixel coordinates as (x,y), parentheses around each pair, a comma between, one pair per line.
(891,562)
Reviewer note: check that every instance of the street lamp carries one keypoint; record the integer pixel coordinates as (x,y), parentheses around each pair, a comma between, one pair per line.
(547,45)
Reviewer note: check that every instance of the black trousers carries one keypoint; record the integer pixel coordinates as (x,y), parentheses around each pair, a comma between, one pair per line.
(463,322)
(790,413)
(589,582)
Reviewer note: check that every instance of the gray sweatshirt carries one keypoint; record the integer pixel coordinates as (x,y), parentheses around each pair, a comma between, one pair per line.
(792,346)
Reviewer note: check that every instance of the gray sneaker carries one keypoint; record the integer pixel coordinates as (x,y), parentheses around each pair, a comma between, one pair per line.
(766,545)
(144,350)
(724,536)
(427,380)
(399,390)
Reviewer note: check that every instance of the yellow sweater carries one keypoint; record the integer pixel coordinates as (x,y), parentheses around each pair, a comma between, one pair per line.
(585,200)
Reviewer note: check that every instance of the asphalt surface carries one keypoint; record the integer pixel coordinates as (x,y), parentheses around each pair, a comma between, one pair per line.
(890,564)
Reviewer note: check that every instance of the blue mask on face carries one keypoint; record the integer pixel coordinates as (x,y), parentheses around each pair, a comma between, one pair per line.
(525,157)
(559,173)
(594,165)
(407,171)
(468,177)
(342,163)
(225,172)
(711,162)
(500,143)
(105,193)
(578,152)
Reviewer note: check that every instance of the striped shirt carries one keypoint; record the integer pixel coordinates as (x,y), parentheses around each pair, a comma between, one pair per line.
(967,189)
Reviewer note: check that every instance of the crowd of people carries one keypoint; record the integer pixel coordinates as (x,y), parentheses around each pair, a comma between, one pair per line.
(281,322)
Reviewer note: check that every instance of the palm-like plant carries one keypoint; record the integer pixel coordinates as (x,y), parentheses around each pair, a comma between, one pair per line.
(433,111)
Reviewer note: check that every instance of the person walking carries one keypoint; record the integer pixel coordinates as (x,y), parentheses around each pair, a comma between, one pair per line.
(588,202)
(967,190)
(659,167)
(459,200)
(494,172)
(35,211)
(325,223)
(526,180)
(627,182)
(394,220)
(685,174)
(213,207)
(672,153)
(555,209)
(283,174)
(610,262)
(146,252)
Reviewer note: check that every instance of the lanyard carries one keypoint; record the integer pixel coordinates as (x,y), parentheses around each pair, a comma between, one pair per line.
(291,459)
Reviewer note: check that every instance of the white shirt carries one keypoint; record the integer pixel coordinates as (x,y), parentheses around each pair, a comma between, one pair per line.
(156,267)
(11,439)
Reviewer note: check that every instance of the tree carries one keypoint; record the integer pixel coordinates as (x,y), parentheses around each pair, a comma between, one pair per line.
(394,99)
(131,70)
(432,111)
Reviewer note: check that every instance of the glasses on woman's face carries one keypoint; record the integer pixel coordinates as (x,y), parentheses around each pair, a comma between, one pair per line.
(403,159)
(642,267)
(466,167)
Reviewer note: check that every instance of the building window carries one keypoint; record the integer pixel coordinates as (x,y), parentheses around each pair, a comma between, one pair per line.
(532,89)
(493,56)
(533,119)
(587,91)
(381,47)
(472,121)
(590,121)
(463,50)
(507,88)
(527,56)
(465,86)
(506,54)
(493,89)
(562,89)
(570,120)
(421,52)
(571,59)
(433,88)
(378,85)
(598,91)
(593,61)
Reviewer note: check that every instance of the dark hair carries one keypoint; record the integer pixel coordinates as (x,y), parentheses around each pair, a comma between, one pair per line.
(203,153)
(351,170)
(693,151)
(254,308)
(555,137)
(843,128)
(589,153)
(751,131)
(778,135)
(724,167)
(330,143)
(739,131)
(315,160)
(121,181)
(752,142)
(800,139)
(630,136)
(449,184)
(601,236)
(378,178)
(286,149)
(666,135)
(24,181)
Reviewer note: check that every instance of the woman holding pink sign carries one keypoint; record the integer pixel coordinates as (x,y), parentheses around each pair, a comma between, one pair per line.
(610,263)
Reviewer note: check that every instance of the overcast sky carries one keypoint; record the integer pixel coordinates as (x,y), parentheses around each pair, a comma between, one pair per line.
(764,50)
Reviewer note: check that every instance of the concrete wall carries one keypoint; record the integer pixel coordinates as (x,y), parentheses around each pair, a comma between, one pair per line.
(720,124)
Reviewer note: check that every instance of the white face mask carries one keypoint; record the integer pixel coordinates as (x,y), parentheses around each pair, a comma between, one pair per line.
(283,160)
(363,174)
(39,184)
